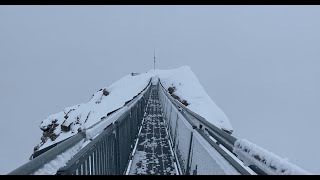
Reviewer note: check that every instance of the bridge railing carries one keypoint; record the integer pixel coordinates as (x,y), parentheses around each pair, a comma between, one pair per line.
(110,151)
(107,153)
(197,143)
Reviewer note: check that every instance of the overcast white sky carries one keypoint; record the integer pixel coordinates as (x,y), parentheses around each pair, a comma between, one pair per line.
(260,64)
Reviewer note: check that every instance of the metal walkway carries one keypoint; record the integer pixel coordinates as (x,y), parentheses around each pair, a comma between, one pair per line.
(153,153)
(153,134)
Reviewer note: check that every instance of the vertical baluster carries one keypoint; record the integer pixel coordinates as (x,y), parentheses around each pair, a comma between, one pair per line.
(99,159)
(84,167)
(89,162)
(112,156)
(117,156)
(189,154)
(103,157)
(96,161)
(106,155)
(81,169)
(88,166)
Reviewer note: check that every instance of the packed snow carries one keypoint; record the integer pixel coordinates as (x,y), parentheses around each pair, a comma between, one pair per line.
(79,117)
(74,119)
(252,154)
(61,160)
(189,88)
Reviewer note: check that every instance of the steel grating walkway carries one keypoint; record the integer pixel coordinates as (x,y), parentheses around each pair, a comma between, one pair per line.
(153,154)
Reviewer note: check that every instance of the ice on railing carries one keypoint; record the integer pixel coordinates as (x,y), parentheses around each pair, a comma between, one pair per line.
(251,154)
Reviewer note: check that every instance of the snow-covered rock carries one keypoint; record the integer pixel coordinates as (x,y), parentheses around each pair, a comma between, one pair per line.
(74,119)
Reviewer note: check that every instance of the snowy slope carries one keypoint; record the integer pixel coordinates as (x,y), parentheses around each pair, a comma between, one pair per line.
(72,119)
(189,88)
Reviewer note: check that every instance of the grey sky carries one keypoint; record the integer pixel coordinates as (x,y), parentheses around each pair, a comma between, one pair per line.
(260,64)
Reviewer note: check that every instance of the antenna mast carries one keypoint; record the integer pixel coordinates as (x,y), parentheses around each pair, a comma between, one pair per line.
(154,59)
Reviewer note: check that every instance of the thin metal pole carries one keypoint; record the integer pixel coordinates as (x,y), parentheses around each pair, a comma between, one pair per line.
(154,59)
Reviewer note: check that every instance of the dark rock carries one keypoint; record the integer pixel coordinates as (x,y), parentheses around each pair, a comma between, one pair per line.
(65,128)
(45,134)
(176,97)
(105,92)
(36,148)
(53,137)
(87,117)
(171,89)
(66,116)
(44,139)
(184,102)
(45,128)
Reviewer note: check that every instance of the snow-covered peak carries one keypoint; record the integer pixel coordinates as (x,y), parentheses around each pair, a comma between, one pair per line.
(74,119)
(189,88)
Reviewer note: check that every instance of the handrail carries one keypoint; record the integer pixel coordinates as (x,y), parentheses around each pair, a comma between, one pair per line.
(35,164)
(220,135)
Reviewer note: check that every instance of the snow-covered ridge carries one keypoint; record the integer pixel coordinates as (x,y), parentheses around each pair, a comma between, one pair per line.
(252,154)
(74,119)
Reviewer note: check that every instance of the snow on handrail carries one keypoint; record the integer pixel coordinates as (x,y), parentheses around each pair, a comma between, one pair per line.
(251,154)
(38,162)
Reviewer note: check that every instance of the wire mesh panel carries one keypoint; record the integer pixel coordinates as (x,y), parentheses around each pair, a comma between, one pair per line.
(173,121)
(124,141)
(206,160)
(183,135)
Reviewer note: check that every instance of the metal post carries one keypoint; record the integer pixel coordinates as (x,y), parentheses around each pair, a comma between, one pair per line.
(117,148)
(189,154)
(175,131)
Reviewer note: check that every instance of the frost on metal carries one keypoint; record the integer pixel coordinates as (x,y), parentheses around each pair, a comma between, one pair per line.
(252,154)
(60,161)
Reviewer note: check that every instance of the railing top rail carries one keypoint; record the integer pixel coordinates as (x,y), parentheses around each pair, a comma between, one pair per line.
(36,163)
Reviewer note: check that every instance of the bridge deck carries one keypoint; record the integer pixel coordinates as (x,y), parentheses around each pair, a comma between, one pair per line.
(153,154)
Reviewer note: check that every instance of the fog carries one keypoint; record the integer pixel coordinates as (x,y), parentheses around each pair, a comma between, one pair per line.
(259,64)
